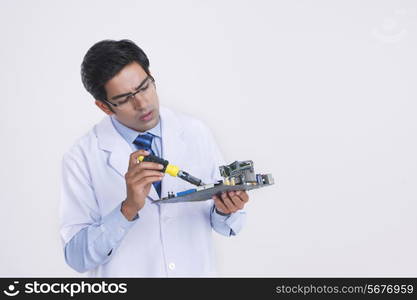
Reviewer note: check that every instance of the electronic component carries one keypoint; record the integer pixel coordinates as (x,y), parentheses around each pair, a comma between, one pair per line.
(239,175)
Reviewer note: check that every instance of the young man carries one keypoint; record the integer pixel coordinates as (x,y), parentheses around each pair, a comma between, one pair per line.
(109,225)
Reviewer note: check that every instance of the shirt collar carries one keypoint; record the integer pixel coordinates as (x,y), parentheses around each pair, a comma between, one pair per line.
(129,134)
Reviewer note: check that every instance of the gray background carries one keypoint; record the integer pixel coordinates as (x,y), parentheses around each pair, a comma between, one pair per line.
(325,88)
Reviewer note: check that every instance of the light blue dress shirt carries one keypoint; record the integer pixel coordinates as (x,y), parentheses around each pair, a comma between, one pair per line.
(130,135)
(94,244)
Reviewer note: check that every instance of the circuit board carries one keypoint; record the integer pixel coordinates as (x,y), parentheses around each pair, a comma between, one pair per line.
(206,192)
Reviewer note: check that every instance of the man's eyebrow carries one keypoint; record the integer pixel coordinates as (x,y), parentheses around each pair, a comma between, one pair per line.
(126,94)
(119,96)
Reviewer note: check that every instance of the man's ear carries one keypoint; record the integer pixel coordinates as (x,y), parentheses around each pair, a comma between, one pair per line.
(104,107)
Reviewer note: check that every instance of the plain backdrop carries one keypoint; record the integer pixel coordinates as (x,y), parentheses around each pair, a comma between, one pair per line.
(322,94)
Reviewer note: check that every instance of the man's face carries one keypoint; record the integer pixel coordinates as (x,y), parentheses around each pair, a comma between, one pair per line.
(141,112)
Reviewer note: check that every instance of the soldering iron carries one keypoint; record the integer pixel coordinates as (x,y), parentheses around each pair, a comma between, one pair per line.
(171,169)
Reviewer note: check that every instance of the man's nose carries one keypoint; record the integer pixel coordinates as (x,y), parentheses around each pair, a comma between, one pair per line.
(138,101)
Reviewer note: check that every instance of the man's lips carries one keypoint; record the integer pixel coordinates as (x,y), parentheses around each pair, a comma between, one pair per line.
(146,116)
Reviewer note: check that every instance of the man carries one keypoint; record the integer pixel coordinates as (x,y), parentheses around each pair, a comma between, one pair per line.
(109,225)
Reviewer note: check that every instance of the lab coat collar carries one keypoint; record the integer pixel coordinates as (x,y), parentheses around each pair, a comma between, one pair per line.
(173,145)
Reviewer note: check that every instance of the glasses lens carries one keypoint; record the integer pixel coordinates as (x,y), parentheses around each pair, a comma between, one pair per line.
(122,102)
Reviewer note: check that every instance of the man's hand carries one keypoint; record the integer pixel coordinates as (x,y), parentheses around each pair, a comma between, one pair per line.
(231,201)
(139,178)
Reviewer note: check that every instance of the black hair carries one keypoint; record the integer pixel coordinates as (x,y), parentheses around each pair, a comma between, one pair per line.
(104,60)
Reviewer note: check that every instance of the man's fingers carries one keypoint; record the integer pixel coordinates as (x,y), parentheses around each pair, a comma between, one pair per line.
(134,156)
(143,173)
(235,199)
(243,195)
(220,205)
(149,179)
(146,165)
(229,204)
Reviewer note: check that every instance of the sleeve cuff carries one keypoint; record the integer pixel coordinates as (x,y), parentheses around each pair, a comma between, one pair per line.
(229,224)
(220,213)
(116,225)
(218,216)
(236,221)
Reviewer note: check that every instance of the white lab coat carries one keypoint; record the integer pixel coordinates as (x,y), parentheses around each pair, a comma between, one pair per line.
(94,184)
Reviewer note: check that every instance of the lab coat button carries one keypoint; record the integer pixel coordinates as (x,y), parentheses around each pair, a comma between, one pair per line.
(171,266)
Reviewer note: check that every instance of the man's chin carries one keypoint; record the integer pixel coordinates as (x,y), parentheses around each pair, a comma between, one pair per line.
(144,126)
